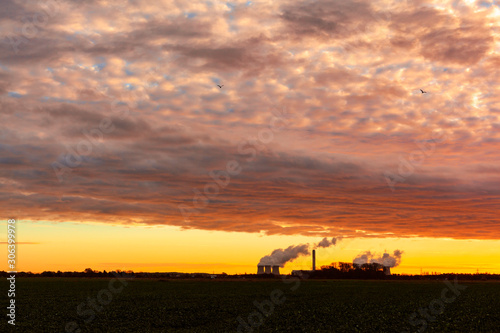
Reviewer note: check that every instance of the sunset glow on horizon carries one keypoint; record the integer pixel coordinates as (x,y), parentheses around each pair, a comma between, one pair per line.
(53,247)
(200,136)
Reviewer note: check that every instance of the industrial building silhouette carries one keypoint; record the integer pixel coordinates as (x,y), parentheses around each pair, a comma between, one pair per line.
(268,269)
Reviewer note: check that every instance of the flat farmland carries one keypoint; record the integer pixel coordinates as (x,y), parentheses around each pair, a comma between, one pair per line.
(152,305)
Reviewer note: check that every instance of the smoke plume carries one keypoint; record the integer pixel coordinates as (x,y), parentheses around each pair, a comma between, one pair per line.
(386,259)
(282,256)
(327,243)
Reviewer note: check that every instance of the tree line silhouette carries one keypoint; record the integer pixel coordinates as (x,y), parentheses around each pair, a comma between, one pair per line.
(341,270)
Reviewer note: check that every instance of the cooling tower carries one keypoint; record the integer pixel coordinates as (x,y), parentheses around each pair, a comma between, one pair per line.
(314,260)
(267,269)
(276,270)
(260,269)
(387,270)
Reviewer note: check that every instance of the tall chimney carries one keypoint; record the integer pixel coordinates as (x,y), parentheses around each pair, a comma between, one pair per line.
(314,260)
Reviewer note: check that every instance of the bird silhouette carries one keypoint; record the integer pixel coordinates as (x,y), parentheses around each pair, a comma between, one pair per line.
(423,92)
(220,86)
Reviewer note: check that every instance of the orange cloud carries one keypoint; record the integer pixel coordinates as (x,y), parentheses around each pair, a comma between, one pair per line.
(125,104)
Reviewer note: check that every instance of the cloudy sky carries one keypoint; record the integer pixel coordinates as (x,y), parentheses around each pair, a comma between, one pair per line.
(113,130)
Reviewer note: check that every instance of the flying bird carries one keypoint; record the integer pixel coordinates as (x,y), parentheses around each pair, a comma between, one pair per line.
(423,92)
(220,86)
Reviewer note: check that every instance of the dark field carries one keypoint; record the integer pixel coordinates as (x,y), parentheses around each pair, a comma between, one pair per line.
(48,304)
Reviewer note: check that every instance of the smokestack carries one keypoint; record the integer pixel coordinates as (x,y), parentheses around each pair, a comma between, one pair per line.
(260,269)
(276,270)
(314,260)
(283,256)
(267,269)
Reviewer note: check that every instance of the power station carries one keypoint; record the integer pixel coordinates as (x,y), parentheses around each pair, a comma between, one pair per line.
(275,269)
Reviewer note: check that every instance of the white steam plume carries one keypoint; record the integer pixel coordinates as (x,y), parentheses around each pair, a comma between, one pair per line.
(325,242)
(386,259)
(282,256)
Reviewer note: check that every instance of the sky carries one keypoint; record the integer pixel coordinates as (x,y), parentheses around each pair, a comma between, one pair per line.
(118,149)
